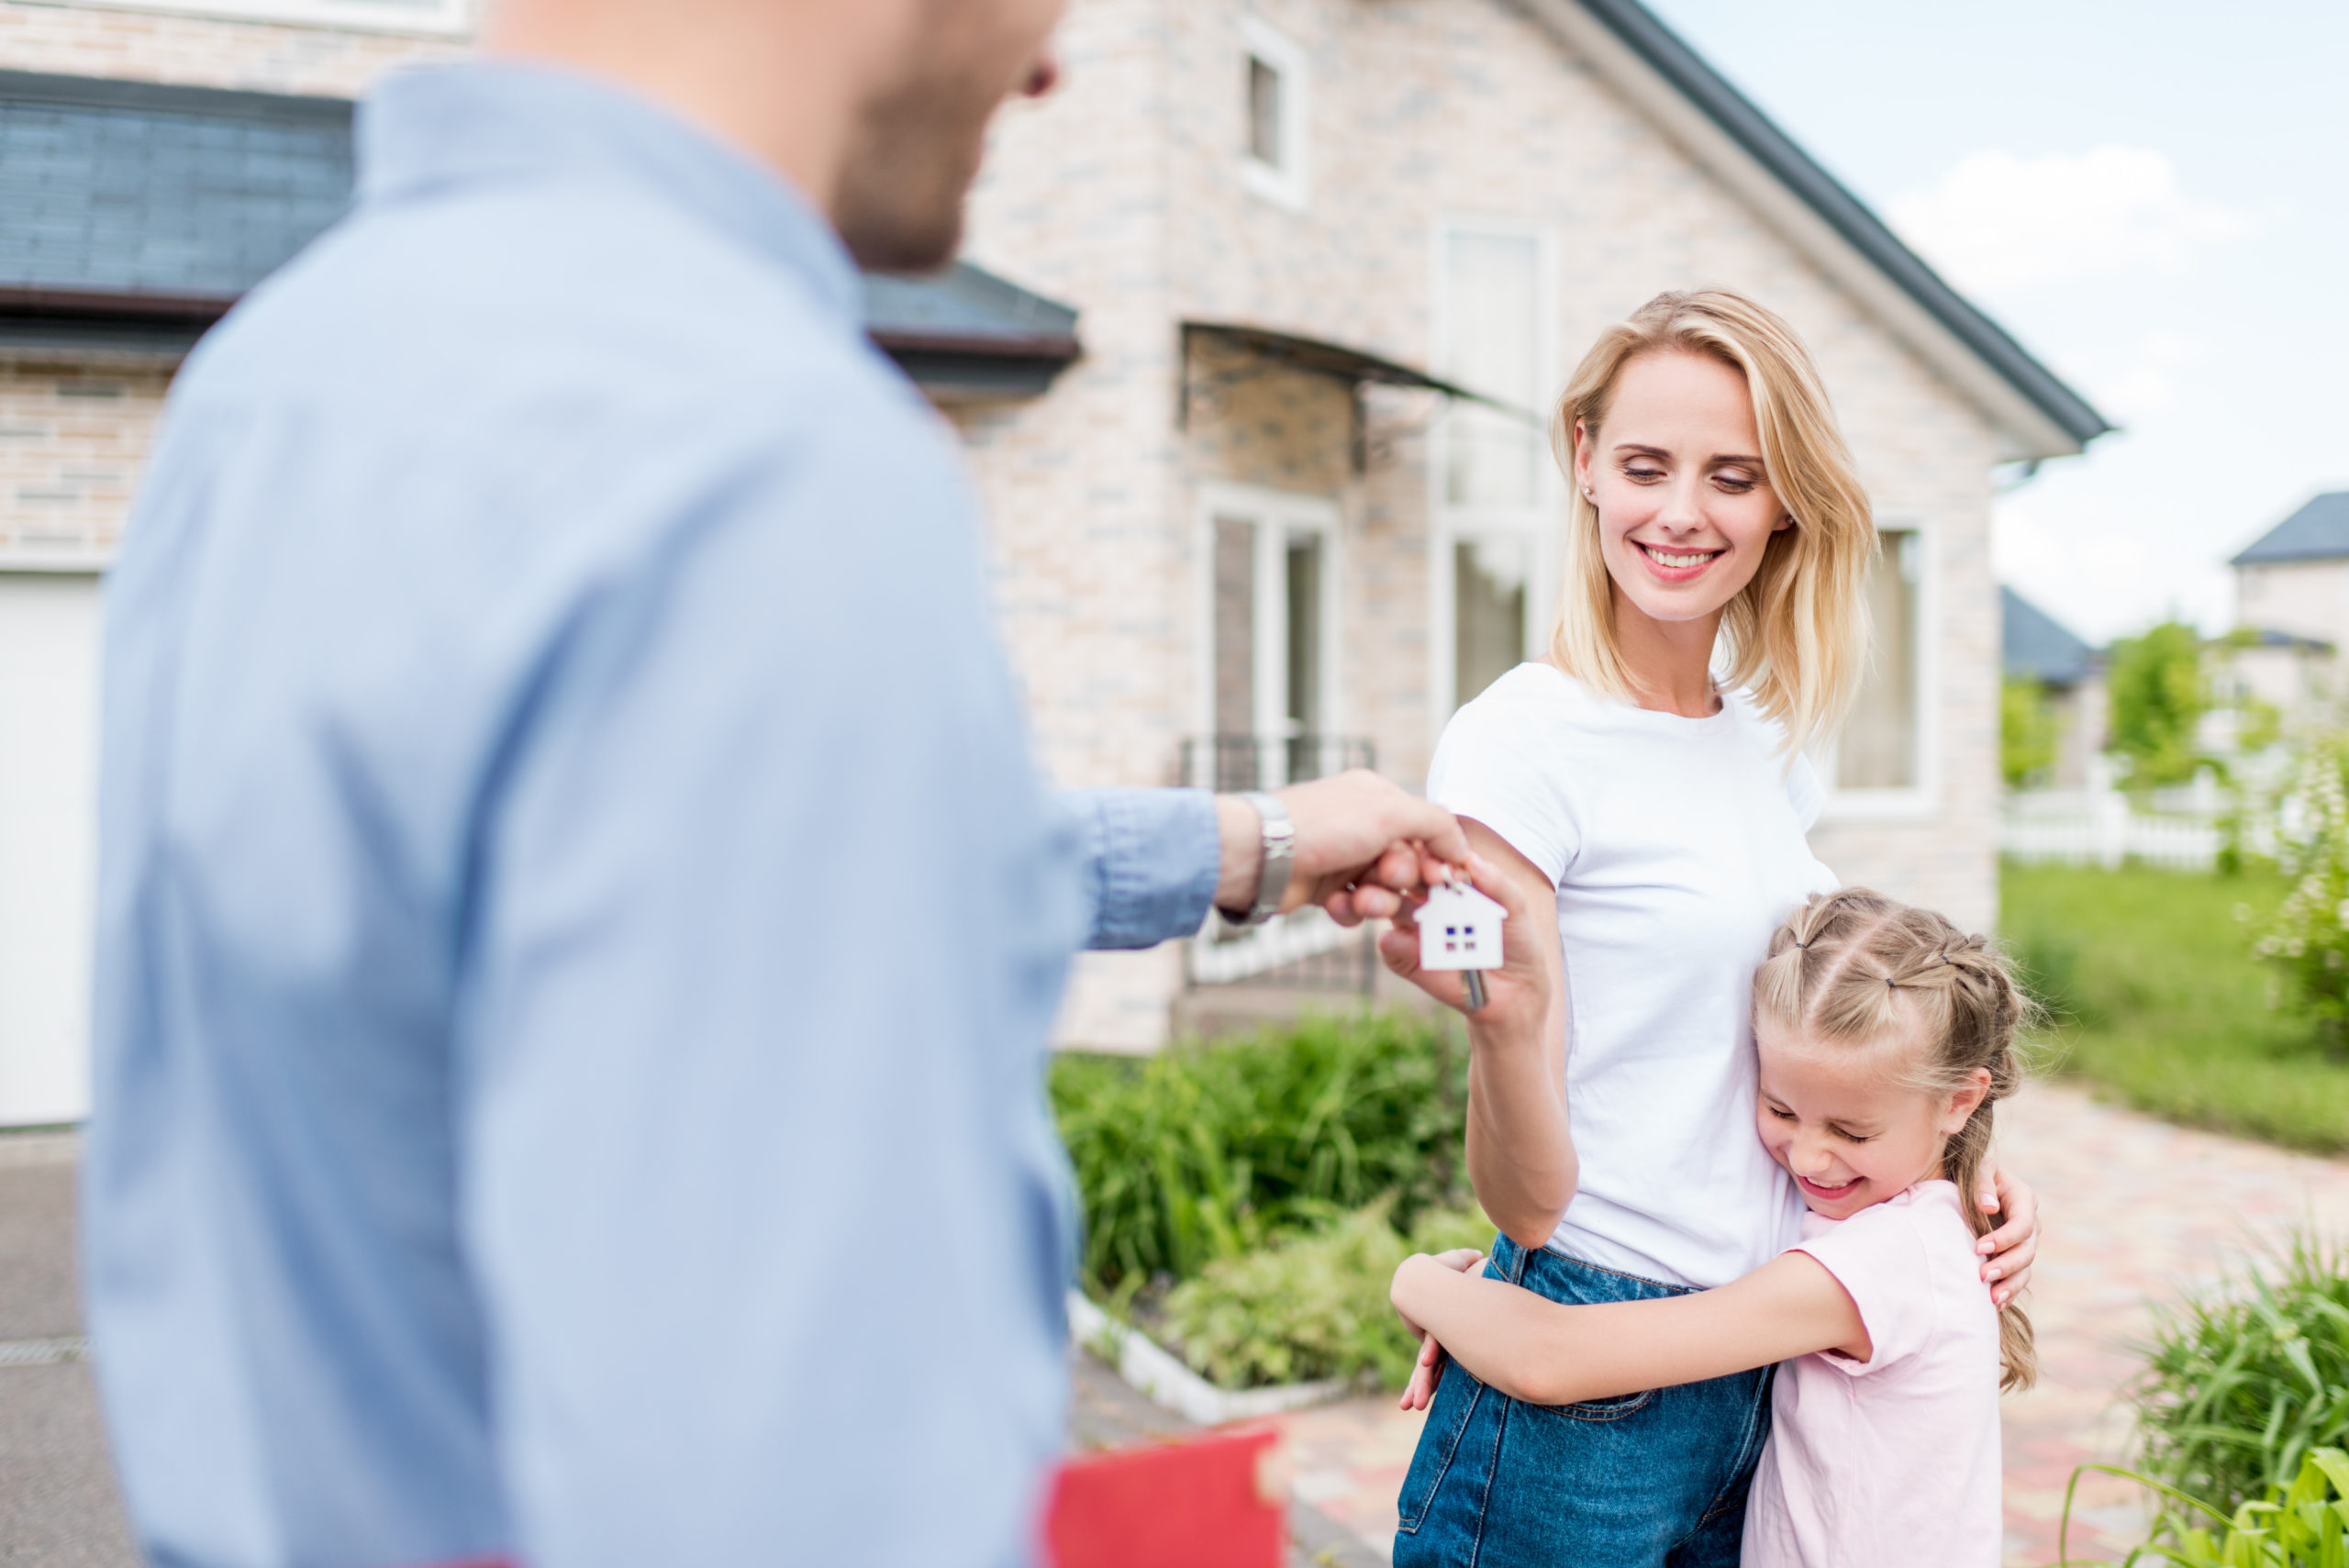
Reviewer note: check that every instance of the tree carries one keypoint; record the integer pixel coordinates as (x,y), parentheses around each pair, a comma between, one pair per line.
(2159,694)
(2026,731)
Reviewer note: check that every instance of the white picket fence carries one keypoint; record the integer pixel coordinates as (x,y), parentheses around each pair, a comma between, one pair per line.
(2100,826)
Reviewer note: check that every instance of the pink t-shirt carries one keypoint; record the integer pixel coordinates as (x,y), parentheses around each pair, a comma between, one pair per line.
(1896,1459)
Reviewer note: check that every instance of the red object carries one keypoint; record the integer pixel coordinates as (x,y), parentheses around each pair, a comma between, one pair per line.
(1210,1503)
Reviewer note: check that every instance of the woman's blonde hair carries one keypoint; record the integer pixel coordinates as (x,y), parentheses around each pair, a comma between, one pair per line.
(1854,967)
(1797,635)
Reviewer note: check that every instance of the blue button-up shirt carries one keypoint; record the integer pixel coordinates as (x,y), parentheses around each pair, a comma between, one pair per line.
(578,921)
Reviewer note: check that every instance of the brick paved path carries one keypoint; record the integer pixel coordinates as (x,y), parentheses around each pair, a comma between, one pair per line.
(2133,1208)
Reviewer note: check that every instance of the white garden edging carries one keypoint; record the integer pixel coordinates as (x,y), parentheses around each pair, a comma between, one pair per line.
(1166,1380)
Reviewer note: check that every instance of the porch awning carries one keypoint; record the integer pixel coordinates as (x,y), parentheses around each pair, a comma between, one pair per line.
(133,214)
(1317,355)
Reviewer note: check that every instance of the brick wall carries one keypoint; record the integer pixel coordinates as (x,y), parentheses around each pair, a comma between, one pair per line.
(199,51)
(74,435)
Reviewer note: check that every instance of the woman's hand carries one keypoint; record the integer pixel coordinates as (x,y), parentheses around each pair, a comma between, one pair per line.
(2008,1252)
(1419,1392)
(1517,995)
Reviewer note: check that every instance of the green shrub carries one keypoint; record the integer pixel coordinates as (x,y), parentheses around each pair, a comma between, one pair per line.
(2159,692)
(1210,1150)
(1311,1305)
(2307,940)
(2245,1381)
(2305,1524)
(2028,731)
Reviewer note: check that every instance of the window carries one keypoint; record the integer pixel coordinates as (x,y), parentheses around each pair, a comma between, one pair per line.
(370,15)
(1495,490)
(1492,331)
(1273,151)
(1271,701)
(1882,761)
(1490,628)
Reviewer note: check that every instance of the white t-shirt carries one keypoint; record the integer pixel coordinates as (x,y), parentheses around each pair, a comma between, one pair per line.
(1894,1458)
(1676,846)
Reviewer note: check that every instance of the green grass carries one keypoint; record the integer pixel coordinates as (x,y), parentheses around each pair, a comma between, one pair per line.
(2159,1002)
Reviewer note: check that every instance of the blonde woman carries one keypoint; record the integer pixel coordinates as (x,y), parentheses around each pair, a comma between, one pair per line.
(1639,801)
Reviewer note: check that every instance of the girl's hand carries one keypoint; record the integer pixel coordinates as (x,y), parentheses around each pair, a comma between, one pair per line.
(1426,1372)
(1419,1392)
(1517,995)
(2008,1251)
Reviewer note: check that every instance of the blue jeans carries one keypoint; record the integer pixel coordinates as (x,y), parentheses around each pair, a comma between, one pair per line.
(1652,1480)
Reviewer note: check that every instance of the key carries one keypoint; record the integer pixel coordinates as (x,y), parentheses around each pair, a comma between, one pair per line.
(1460,929)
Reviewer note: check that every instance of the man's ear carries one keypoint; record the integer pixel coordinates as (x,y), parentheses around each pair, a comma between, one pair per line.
(1964,1102)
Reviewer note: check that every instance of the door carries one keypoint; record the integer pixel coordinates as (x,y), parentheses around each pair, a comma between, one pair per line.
(48,698)
(1271,699)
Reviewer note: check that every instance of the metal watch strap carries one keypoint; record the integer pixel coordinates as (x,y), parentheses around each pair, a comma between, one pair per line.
(1280,855)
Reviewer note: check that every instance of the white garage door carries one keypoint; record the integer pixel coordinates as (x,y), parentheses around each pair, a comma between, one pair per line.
(48,703)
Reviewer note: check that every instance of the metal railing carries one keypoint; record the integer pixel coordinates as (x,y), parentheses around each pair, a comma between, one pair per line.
(1306,948)
(1227,763)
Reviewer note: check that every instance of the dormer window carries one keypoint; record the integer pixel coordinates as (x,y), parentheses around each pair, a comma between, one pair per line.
(1272,160)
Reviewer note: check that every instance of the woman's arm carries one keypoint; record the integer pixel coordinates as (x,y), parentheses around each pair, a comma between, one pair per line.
(1547,1353)
(1520,1152)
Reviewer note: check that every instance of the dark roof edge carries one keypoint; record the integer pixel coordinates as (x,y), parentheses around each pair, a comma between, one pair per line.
(1662,50)
(108,93)
(114,304)
(1322,357)
(1060,349)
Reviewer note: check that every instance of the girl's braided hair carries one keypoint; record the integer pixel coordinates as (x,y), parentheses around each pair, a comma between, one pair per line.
(1857,968)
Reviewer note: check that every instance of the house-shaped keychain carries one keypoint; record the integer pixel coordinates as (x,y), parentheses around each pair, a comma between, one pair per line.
(1459,928)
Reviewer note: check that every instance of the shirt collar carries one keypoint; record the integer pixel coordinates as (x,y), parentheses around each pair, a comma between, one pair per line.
(453,125)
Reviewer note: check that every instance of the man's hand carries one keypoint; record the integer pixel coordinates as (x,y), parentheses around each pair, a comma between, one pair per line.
(1362,843)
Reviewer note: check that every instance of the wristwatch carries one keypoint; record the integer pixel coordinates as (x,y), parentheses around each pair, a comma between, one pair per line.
(1280,855)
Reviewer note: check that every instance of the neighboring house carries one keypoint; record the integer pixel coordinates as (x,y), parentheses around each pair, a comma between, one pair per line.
(2036,646)
(1248,535)
(2292,610)
(1327,261)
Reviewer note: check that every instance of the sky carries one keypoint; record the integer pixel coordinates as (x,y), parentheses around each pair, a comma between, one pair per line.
(2153,198)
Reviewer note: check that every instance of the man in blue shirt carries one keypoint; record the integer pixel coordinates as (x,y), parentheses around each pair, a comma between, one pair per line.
(578,922)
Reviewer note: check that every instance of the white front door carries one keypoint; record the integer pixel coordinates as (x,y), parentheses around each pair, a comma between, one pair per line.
(49,706)
(1272,636)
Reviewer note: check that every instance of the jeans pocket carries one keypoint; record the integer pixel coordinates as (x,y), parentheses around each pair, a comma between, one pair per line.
(1439,1441)
(1613,1409)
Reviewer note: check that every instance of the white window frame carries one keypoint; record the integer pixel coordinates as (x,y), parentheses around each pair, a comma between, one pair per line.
(1542,522)
(1275,514)
(1921,800)
(444,19)
(1289,185)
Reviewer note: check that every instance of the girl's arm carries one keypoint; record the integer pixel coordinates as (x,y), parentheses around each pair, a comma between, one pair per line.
(1521,1153)
(1547,1353)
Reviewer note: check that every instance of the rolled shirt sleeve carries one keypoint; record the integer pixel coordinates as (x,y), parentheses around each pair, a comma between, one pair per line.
(1152,860)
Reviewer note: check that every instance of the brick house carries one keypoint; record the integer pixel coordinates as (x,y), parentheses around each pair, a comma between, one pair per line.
(1288,505)
(1254,530)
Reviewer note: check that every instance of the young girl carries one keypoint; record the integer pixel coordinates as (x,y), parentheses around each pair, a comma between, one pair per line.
(1886,1036)
(1639,799)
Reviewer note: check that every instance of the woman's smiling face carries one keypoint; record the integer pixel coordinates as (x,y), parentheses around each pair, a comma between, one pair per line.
(1685,508)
